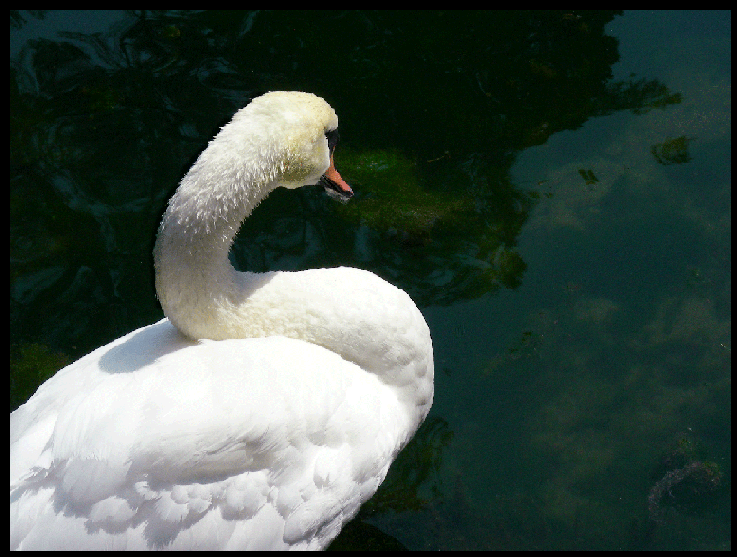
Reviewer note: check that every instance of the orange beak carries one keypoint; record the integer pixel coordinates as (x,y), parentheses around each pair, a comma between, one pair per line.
(334,177)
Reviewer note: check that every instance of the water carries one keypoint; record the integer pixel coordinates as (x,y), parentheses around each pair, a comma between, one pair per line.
(553,189)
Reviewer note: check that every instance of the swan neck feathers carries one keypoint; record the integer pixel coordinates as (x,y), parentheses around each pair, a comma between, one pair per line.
(278,140)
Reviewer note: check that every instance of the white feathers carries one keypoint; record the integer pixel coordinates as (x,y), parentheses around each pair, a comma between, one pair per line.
(269,435)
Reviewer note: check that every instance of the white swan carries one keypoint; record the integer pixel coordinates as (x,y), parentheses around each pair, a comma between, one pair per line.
(269,435)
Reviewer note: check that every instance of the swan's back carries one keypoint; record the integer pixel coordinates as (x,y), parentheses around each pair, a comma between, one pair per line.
(212,445)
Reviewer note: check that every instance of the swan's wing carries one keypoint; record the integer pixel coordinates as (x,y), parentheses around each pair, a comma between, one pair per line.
(248,443)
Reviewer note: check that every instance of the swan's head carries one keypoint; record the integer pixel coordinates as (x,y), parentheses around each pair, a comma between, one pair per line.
(297,134)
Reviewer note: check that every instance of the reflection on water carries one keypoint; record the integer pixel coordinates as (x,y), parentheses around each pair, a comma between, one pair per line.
(565,229)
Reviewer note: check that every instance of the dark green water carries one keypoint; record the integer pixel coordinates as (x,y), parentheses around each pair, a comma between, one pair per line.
(553,189)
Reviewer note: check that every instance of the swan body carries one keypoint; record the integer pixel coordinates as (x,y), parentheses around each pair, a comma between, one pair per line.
(262,412)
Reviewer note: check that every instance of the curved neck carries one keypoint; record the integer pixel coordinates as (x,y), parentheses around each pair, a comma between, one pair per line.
(193,274)
(350,312)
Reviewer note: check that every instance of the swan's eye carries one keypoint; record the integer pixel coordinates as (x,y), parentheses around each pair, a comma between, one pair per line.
(332,137)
